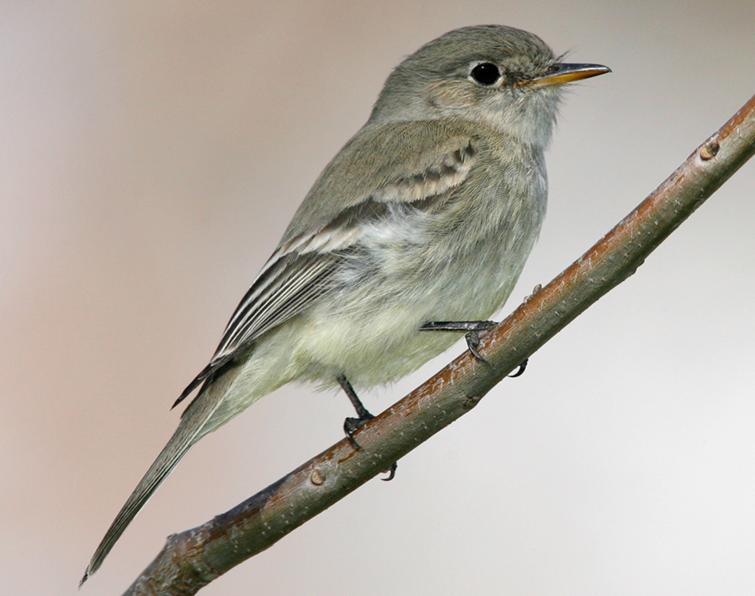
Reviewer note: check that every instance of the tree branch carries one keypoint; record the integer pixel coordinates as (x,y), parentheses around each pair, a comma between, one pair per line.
(195,557)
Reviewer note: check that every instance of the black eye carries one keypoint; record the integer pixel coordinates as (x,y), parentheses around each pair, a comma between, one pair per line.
(485,73)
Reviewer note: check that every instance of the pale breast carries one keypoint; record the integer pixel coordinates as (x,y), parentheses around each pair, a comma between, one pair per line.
(418,266)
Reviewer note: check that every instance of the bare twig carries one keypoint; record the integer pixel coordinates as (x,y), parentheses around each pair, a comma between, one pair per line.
(195,557)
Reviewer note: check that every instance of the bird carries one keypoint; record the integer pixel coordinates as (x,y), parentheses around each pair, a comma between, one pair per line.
(415,231)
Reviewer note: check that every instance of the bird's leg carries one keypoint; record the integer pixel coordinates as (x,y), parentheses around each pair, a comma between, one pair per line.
(458,326)
(351,425)
(472,336)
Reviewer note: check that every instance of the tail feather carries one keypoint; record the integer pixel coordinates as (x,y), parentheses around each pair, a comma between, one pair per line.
(189,431)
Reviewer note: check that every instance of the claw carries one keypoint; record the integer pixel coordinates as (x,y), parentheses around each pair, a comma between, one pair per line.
(473,342)
(391,472)
(520,371)
(352,425)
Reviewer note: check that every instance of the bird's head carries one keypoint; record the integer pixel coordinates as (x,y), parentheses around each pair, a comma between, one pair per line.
(504,77)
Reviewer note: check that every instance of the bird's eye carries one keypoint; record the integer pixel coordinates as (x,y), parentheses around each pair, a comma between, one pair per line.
(485,73)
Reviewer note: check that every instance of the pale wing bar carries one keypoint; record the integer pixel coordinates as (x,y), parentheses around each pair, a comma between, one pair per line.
(298,271)
(315,254)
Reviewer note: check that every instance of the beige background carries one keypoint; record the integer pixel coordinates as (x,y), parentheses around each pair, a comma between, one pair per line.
(151,155)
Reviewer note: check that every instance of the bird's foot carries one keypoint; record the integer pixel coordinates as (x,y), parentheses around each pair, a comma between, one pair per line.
(391,472)
(352,425)
(473,344)
(520,371)
(473,329)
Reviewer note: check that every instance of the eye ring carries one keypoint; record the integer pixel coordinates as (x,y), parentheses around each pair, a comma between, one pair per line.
(486,74)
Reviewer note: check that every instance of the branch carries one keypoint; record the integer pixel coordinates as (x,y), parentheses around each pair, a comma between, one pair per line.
(195,557)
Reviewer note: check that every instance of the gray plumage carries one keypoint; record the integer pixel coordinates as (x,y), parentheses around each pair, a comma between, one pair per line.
(427,214)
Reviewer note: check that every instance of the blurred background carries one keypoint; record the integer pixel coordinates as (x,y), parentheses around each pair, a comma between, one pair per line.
(151,156)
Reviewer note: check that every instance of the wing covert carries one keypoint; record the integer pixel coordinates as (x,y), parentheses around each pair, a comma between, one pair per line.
(309,253)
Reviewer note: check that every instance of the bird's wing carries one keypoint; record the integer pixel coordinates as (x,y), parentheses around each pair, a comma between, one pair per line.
(420,173)
(395,161)
(332,217)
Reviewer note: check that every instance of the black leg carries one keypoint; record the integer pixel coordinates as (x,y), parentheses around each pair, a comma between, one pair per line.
(472,335)
(351,425)
(458,326)
(362,412)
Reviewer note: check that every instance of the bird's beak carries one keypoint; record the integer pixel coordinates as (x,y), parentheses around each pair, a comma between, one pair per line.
(559,74)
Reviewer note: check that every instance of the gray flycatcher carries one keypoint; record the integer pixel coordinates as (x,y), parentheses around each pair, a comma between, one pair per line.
(416,230)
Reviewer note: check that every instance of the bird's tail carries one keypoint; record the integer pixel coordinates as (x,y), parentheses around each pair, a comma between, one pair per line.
(192,427)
